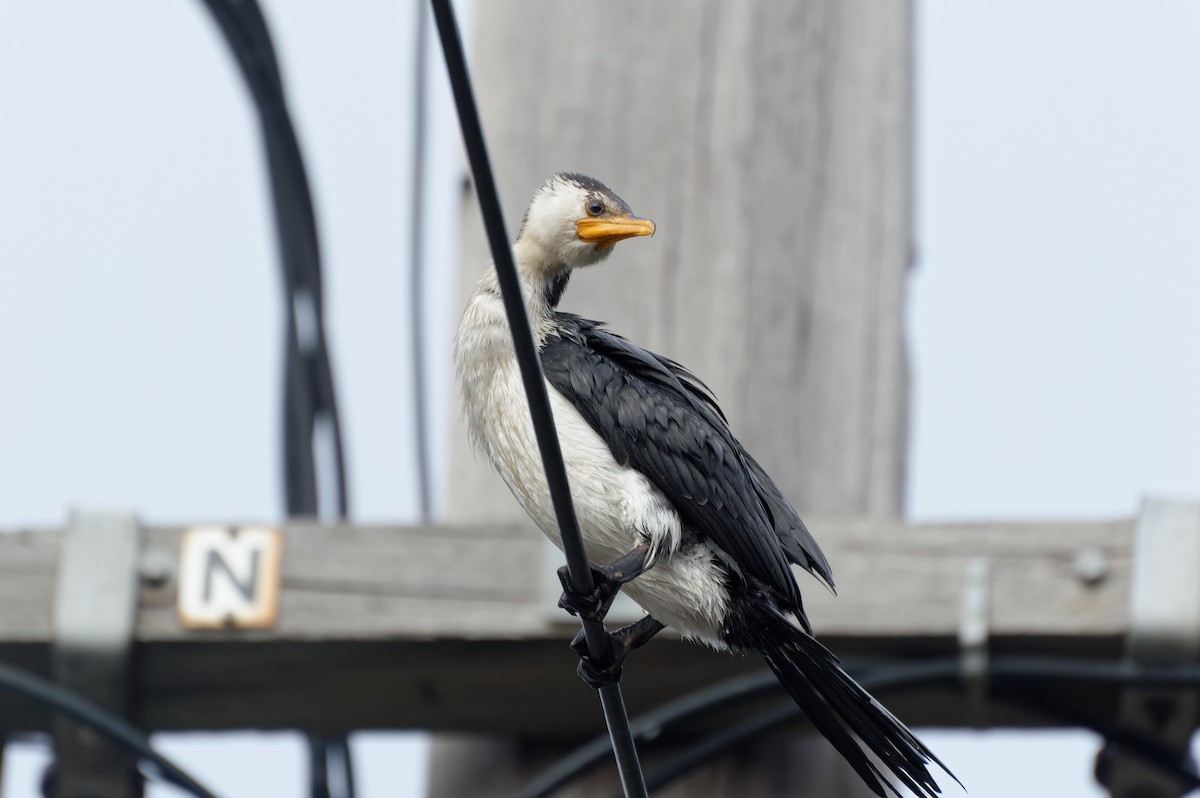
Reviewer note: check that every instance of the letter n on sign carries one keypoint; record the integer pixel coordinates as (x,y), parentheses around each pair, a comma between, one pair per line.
(229,577)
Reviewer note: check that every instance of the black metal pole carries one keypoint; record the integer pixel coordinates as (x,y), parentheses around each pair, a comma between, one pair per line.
(598,642)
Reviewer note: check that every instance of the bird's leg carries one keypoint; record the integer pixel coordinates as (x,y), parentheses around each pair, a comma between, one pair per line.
(624,640)
(607,579)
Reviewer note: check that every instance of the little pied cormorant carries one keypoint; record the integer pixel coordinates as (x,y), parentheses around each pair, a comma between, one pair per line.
(684,519)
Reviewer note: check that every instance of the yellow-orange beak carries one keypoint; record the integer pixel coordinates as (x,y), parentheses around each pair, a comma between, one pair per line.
(607,229)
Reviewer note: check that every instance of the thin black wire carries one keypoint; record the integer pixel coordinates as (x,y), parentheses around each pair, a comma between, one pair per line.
(329,756)
(310,402)
(416,273)
(878,681)
(910,676)
(874,675)
(785,713)
(649,726)
(106,724)
(598,642)
(715,745)
(309,392)
(1141,746)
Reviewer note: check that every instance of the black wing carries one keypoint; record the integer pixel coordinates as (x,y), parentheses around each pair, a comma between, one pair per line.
(660,418)
(798,543)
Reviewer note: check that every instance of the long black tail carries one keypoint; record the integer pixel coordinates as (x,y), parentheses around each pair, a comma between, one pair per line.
(837,705)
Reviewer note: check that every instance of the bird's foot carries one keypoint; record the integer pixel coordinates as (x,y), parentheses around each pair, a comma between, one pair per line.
(589,607)
(596,676)
(623,640)
(607,580)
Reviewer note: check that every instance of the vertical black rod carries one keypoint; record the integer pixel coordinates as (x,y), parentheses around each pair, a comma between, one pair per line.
(598,642)
(417,272)
(318,767)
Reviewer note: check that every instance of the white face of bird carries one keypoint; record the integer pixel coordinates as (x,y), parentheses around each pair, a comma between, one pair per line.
(576,221)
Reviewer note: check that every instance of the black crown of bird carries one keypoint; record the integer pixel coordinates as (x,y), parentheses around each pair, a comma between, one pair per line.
(675,510)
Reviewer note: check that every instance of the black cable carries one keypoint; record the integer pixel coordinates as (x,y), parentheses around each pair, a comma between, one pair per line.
(417,273)
(598,642)
(310,402)
(108,725)
(328,760)
(318,766)
(874,675)
(309,373)
(907,677)
(1149,751)
(877,680)
(707,749)
(340,750)
(1123,672)
(649,726)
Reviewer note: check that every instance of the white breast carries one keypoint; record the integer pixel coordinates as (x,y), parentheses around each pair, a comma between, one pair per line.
(617,506)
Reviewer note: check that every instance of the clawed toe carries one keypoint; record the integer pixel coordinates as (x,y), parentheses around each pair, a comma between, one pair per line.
(597,678)
(594,606)
(594,676)
(591,607)
(579,643)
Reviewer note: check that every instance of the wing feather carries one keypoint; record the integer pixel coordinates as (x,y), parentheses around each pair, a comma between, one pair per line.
(658,417)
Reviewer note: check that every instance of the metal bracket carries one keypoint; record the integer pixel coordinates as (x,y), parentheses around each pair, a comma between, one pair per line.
(1164,616)
(974,629)
(94,614)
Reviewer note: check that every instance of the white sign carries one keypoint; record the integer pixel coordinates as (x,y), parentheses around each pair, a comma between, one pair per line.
(229,577)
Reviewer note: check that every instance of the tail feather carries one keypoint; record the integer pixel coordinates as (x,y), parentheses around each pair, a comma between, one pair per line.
(837,705)
(817,709)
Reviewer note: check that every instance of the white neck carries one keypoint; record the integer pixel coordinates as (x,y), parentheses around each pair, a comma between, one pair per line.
(536,272)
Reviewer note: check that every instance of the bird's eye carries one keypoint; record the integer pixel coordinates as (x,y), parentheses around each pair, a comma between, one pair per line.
(595,207)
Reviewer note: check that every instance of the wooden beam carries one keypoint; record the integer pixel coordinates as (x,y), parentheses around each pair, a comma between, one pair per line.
(448,627)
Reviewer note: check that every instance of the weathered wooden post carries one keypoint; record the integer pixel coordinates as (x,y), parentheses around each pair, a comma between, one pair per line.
(771,142)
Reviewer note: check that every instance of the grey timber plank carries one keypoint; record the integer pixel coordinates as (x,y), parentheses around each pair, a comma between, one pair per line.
(445,628)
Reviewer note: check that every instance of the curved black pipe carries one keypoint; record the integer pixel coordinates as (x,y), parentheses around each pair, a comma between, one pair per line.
(946,672)
(650,726)
(875,676)
(108,725)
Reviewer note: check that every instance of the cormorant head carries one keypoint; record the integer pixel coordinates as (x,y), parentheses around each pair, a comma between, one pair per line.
(574,221)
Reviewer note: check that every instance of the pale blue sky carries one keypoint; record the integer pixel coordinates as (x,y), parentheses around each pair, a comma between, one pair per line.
(1053,323)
